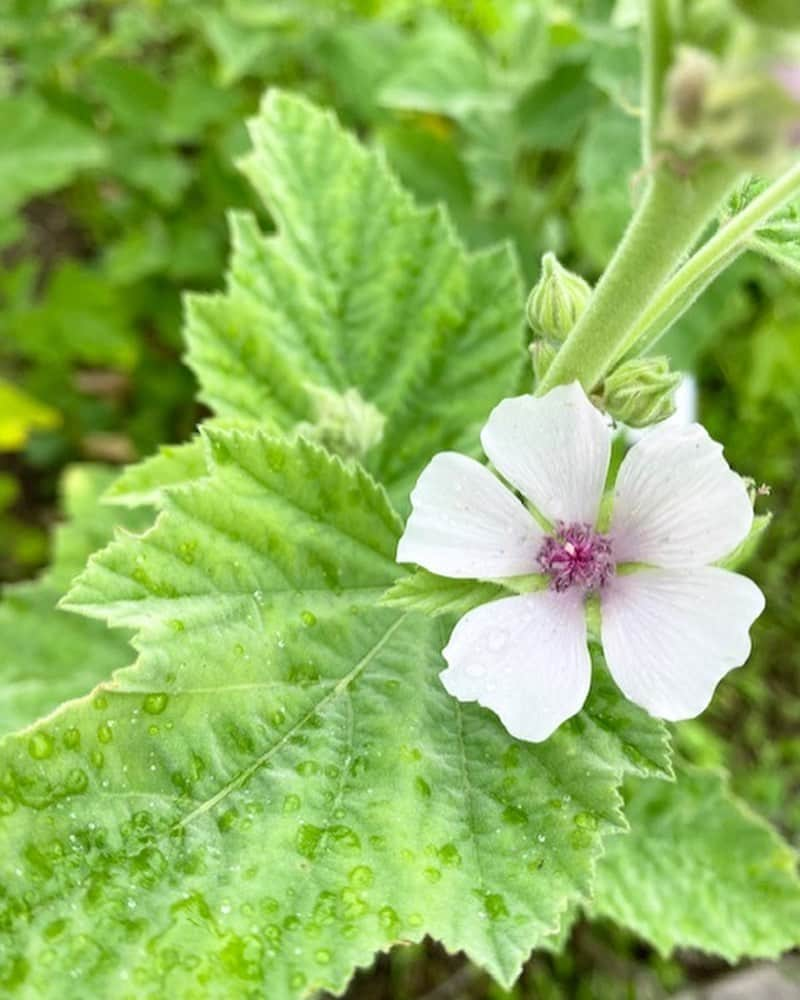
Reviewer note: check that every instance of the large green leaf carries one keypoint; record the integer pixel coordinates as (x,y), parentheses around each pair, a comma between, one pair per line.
(280,785)
(358,289)
(46,655)
(40,149)
(699,870)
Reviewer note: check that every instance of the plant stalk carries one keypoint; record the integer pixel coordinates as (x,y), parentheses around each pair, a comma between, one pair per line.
(687,284)
(656,60)
(667,224)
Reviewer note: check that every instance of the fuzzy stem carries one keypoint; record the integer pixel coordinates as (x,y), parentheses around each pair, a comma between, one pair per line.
(667,224)
(687,284)
(656,59)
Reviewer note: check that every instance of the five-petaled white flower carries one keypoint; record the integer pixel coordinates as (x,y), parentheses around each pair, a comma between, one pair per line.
(672,624)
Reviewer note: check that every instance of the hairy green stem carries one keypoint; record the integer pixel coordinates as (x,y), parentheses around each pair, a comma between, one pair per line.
(690,281)
(667,224)
(656,59)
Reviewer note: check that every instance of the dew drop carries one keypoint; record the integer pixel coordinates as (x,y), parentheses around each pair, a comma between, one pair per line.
(154,704)
(449,855)
(105,733)
(495,906)
(307,840)
(361,877)
(515,815)
(72,739)
(388,917)
(77,781)
(186,551)
(580,838)
(585,821)
(41,745)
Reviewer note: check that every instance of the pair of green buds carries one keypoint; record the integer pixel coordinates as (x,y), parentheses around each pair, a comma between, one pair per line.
(638,392)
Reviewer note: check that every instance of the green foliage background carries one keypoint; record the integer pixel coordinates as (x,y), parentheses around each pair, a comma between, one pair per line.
(119,125)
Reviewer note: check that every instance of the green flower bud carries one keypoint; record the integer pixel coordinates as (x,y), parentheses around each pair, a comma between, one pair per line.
(687,87)
(733,110)
(344,423)
(772,13)
(557,300)
(641,391)
(542,356)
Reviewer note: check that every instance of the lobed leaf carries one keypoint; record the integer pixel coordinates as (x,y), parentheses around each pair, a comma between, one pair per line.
(700,870)
(280,786)
(358,289)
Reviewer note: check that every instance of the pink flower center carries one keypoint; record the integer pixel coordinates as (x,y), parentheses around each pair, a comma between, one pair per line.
(576,556)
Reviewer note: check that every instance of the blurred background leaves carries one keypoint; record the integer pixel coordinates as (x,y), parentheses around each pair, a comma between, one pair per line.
(119,124)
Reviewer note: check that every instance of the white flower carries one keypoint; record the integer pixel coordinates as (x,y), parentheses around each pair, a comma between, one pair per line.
(673,624)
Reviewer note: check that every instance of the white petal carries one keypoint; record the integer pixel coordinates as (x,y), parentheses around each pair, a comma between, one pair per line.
(670,635)
(553,449)
(677,501)
(525,658)
(465,523)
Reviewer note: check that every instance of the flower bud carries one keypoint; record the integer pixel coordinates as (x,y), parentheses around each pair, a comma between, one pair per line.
(641,391)
(542,356)
(557,300)
(736,111)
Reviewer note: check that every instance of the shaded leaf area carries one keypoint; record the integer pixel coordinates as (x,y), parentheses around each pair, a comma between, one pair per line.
(47,655)
(700,870)
(359,289)
(280,786)
(40,149)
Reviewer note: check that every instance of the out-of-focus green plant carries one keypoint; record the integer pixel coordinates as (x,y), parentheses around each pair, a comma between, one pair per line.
(119,124)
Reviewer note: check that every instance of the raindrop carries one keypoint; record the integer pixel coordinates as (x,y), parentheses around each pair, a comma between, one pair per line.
(105,733)
(361,877)
(41,745)
(585,820)
(72,739)
(154,704)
